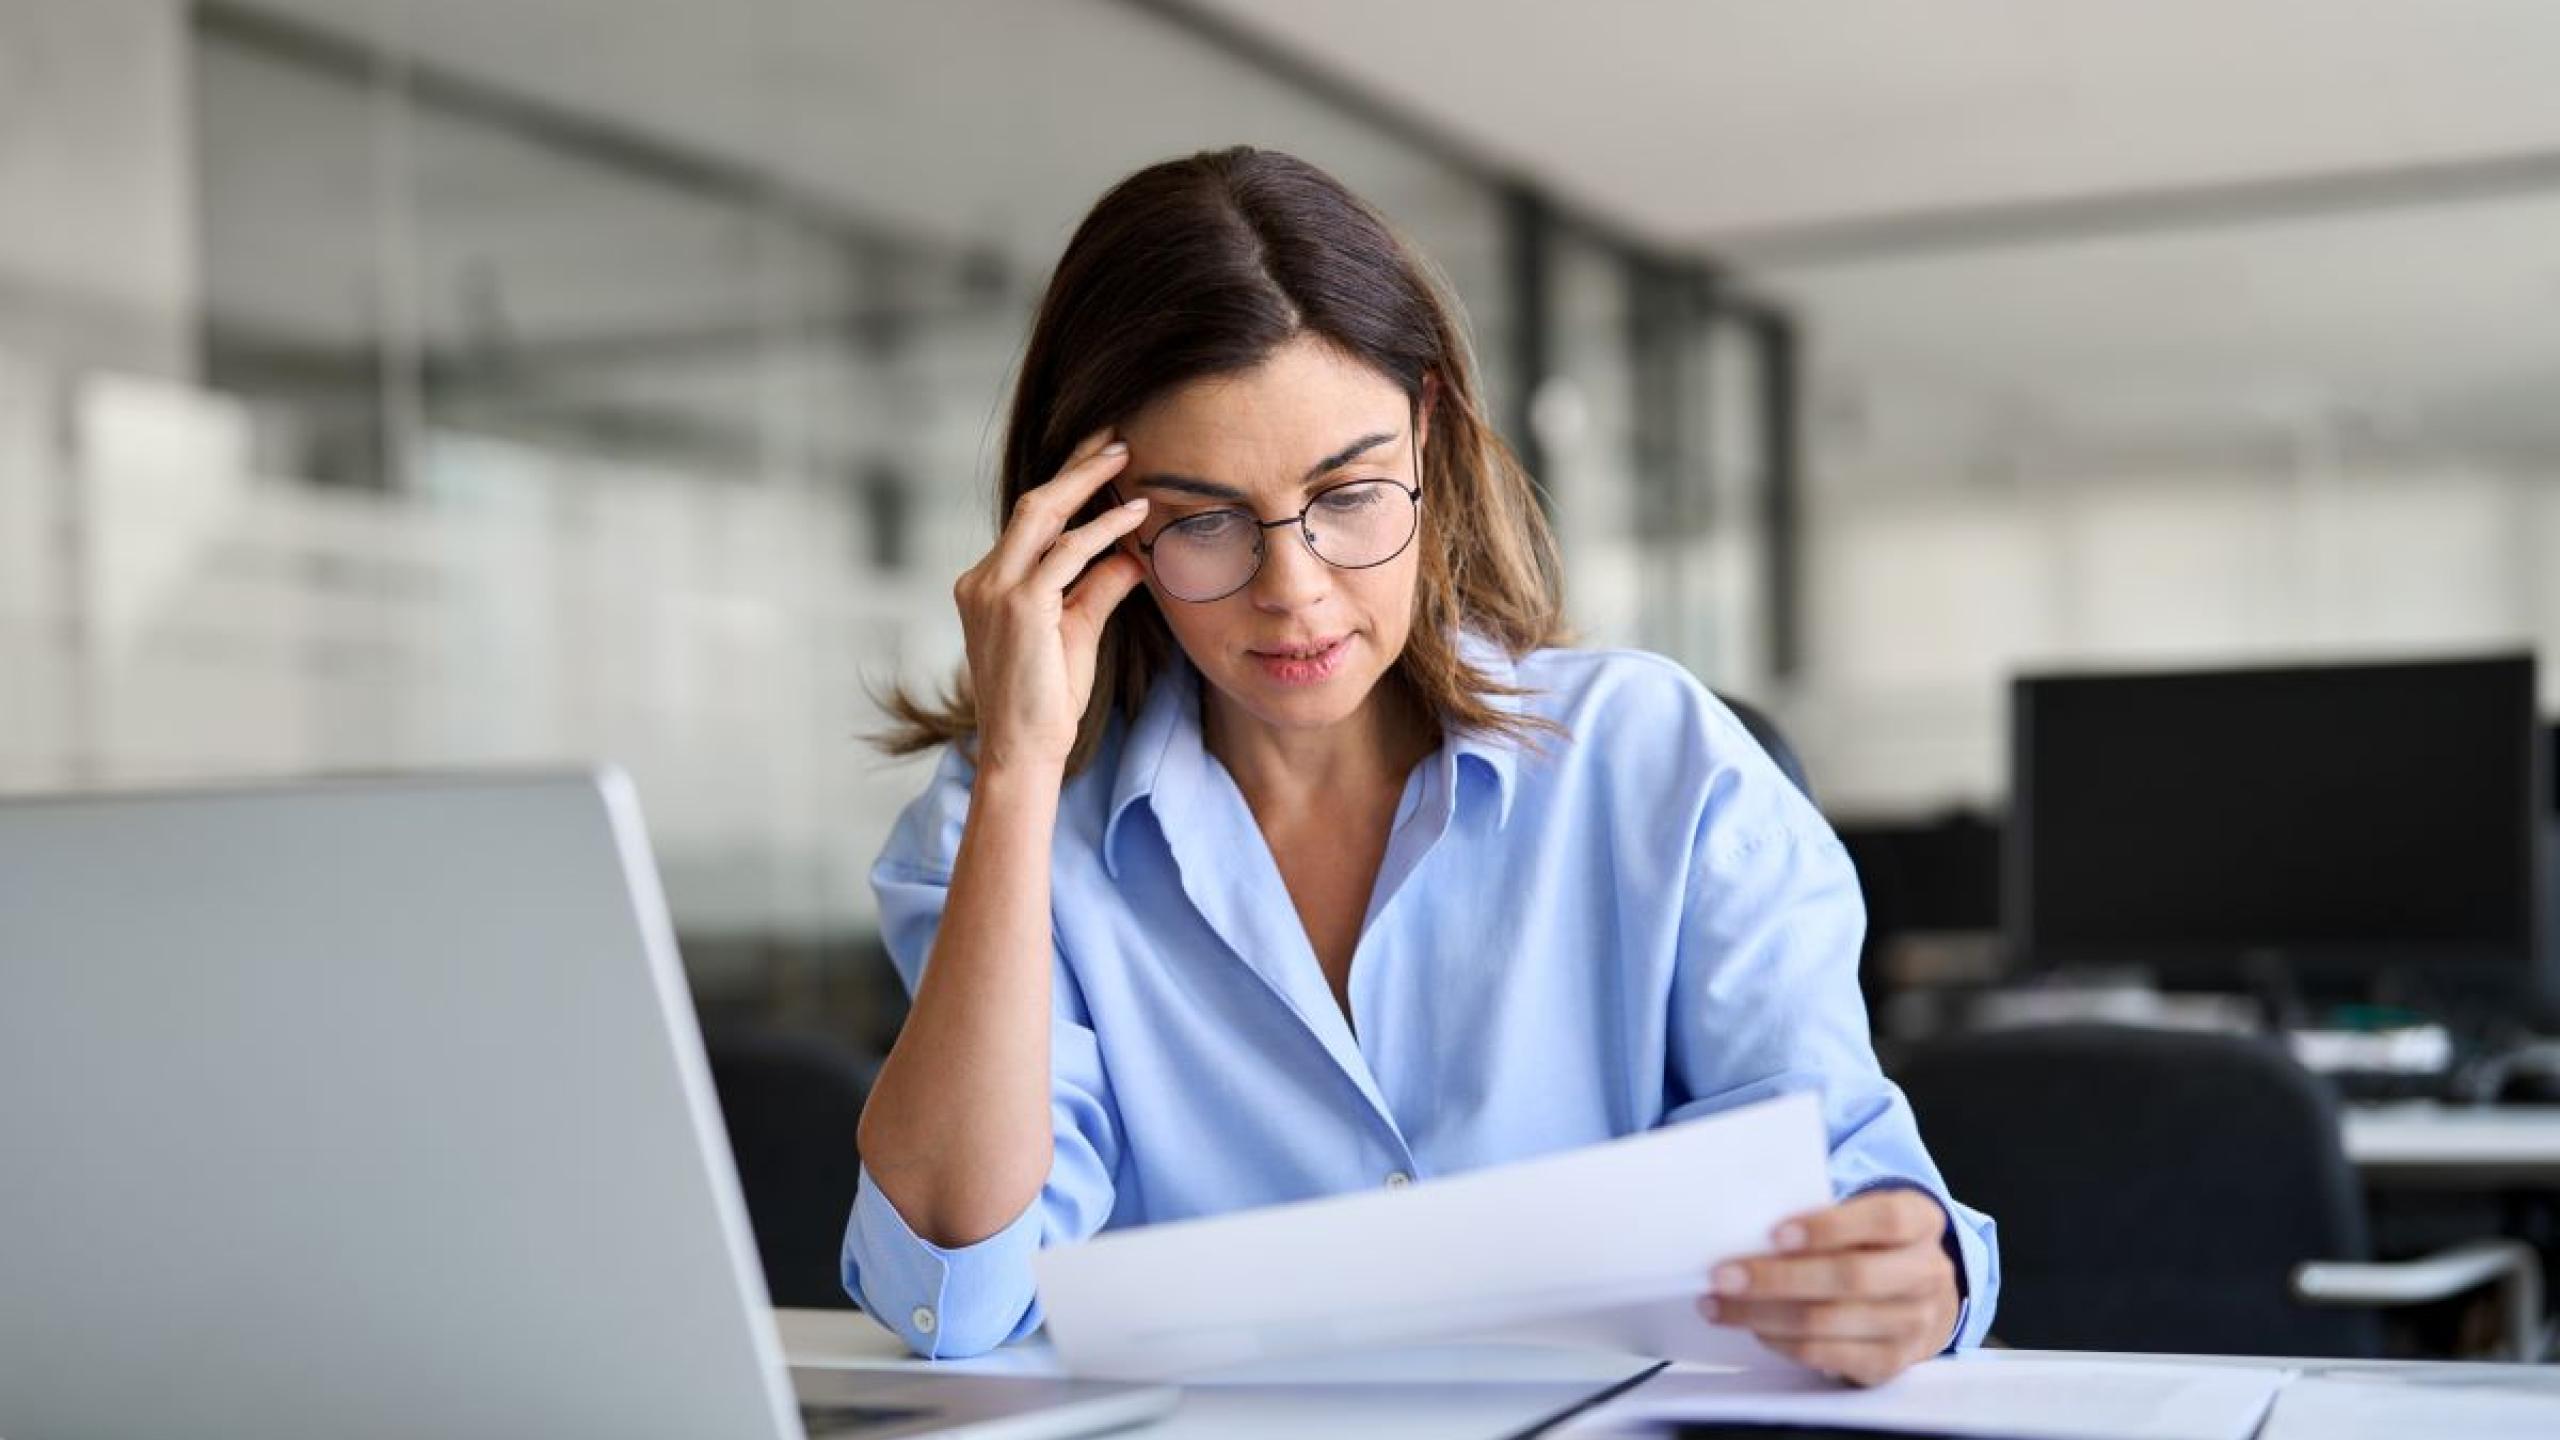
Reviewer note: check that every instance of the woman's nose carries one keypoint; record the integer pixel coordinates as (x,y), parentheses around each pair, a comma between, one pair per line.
(1292,577)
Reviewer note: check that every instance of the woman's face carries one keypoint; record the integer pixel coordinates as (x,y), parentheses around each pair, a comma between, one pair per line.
(1268,441)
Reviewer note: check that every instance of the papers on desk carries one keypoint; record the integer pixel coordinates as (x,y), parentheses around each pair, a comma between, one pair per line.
(2056,1397)
(1607,1246)
(2521,1405)
(1972,1395)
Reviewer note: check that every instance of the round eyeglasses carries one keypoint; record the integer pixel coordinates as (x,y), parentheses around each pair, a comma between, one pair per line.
(1356,525)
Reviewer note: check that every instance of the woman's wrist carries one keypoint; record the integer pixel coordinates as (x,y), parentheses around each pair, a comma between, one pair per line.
(1018,772)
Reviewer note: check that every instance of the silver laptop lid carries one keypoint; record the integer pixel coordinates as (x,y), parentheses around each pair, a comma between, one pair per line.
(362,1108)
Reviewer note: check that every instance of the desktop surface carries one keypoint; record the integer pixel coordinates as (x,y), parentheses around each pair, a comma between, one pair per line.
(1457,1392)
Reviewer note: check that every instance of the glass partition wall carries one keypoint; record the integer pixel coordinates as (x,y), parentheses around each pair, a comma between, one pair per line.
(560,379)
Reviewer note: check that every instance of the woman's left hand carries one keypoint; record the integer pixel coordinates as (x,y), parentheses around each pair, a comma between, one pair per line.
(1861,1290)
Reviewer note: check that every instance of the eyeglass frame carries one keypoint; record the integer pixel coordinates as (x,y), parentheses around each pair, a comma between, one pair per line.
(1412,493)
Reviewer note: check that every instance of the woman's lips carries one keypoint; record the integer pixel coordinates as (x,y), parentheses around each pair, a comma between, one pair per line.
(1303,650)
(1299,667)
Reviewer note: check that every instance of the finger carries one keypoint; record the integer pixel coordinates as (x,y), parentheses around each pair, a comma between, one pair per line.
(1877,1218)
(1086,449)
(1075,549)
(1101,436)
(1042,512)
(1904,1321)
(1860,1362)
(1100,592)
(1837,1275)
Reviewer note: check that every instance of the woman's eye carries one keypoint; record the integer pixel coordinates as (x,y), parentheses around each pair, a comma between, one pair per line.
(1349,497)
(1209,529)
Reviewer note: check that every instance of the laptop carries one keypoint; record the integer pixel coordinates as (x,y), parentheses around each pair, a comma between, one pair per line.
(378,1108)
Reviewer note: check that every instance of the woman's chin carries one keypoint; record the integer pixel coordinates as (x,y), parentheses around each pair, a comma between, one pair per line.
(1300,711)
(1303,706)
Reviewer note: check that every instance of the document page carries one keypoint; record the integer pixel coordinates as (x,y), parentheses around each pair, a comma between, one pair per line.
(2521,1404)
(1966,1395)
(1605,1246)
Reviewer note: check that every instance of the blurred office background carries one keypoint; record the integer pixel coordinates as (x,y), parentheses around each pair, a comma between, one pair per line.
(447,384)
(462,382)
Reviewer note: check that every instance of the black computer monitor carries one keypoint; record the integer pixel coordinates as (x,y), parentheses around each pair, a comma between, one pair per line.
(2334,825)
(2551,765)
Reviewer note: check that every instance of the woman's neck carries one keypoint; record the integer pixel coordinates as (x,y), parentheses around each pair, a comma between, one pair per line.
(1290,772)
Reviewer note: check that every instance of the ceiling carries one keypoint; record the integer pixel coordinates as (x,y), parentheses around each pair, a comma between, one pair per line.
(2180,214)
(988,123)
(2115,215)
(1715,121)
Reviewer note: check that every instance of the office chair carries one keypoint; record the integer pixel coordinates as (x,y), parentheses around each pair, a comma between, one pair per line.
(1765,730)
(792,1102)
(2174,1191)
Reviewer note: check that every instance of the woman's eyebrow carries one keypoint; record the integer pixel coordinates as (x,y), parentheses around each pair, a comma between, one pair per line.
(1347,454)
(1188,485)
(1212,490)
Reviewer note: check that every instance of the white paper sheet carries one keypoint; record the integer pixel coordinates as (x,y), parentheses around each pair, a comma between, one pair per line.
(2523,1406)
(1607,1246)
(1446,1366)
(1971,1395)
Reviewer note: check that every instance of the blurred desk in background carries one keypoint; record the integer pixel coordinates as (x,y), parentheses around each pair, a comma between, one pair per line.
(2464,1146)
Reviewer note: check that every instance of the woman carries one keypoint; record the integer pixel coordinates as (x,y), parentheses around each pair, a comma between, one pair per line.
(1321,864)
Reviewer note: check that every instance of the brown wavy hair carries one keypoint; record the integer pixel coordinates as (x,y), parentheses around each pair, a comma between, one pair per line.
(1204,266)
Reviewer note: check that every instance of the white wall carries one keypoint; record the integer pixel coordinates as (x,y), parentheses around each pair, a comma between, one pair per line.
(97,206)
(167,614)
(1923,604)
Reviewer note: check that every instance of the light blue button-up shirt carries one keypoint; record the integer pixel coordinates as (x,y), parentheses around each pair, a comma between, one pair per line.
(1632,927)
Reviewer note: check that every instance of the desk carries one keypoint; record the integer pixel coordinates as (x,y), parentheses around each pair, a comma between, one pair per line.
(2476,1147)
(1425,1393)
(1440,1393)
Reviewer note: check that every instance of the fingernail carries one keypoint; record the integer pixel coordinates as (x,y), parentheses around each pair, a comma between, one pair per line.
(1116,447)
(1790,1237)
(1138,504)
(1713,1309)
(1731,1280)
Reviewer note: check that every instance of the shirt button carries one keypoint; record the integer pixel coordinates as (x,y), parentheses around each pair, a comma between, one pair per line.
(1397,1179)
(923,1319)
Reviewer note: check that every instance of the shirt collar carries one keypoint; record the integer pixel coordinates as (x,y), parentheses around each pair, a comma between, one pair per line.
(1498,753)
(1162,756)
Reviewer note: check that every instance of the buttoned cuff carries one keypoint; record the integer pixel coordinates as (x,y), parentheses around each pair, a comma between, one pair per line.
(945,1303)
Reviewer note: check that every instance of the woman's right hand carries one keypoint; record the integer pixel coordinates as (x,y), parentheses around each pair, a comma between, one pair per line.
(1032,627)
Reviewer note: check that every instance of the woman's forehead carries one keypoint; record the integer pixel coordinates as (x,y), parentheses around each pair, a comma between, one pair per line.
(1305,404)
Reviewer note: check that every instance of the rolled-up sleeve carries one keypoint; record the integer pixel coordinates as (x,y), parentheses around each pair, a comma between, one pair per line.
(1765,1002)
(950,1302)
